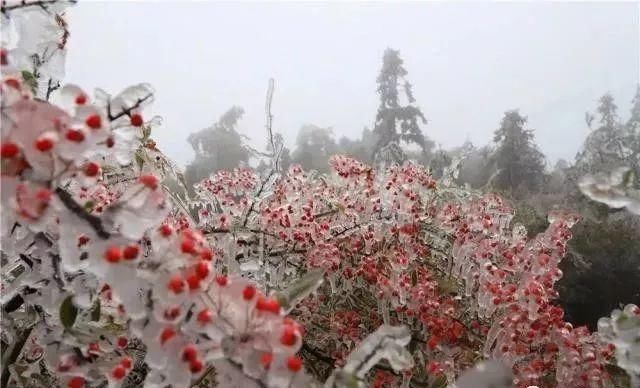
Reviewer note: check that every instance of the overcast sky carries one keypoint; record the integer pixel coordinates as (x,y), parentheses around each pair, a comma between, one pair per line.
(468,63)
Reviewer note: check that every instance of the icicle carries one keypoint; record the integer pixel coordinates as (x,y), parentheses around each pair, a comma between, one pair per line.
(492,335)
(332,282)
(383,309)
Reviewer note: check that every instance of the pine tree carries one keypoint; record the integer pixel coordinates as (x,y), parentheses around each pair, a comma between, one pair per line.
(604,148)
(608,111)
(519,161)
(396,122)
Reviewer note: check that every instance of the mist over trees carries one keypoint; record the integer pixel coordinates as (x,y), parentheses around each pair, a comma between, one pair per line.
(475,266)
(219,147)
(511,163)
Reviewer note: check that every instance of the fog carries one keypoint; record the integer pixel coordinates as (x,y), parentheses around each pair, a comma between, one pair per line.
(415,194)
(468,63)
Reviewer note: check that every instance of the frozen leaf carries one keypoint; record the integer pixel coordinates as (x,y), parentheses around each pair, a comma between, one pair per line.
(300,289)
(30,80)
(486,374)
(68,312)
(140,95)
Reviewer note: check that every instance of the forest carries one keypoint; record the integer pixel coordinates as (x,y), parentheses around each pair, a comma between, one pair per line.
(379,261)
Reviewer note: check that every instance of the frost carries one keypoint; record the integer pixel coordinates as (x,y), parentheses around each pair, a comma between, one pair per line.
(388,343)
(622,329)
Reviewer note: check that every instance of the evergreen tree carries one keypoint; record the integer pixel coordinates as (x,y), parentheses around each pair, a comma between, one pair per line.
(605,147)
(218,147)
(396,122)
(608,111)
(519,161)
(632,136)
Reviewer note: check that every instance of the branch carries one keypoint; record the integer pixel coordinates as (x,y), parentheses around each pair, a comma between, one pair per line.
(203,377)
(225,230)
(24,4)
(51,88)
(325,213)
(258,194)
(316,353)
(78,210)
(12,356)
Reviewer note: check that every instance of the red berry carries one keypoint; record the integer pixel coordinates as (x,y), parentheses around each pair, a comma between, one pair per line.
(110,142)
(288,336)
(195,366)
(136,120)
(81,99)
(202,269)
(176,284)
(9,150)
(4,60)
(151,181)
(166,335)
(205,316)
(131,252)
(248,293)
(294,364)
(91,169)
(76,382)
(433,367)
(222,280)
(13,83)
(122,342)
(113,254)
(94,122)
(165,230)
(172,313)
(433,342)
(270,305)
(266,359)
(126,363)
(44,195)
(189,353)
(43,144)
(118,372)
(193,281)
(188,245)
(75,135)
(206,254)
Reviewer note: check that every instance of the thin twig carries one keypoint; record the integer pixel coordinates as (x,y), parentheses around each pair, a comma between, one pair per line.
(24,4)
(127,111)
